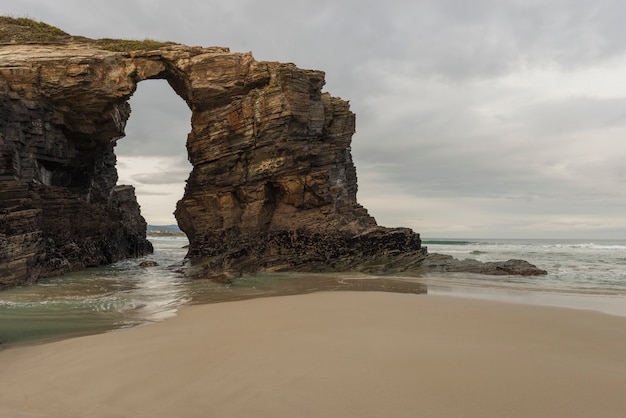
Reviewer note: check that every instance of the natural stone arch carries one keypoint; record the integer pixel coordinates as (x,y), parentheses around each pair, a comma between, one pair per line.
(272,186)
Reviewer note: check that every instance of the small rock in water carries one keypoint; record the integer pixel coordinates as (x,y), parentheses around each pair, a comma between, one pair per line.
(148,263)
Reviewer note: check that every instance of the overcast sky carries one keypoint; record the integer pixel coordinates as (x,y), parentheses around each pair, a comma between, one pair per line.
(482,118)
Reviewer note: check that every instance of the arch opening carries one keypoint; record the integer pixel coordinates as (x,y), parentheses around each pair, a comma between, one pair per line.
(152,156)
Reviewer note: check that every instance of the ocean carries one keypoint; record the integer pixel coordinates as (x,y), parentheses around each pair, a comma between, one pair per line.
(578,266)
(583,274)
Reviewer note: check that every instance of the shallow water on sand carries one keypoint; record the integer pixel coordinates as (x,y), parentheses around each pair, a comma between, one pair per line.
(585,275)
(93,300)
(124,295)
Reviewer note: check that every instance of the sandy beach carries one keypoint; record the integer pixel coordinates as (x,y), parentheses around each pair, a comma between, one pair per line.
(332,354)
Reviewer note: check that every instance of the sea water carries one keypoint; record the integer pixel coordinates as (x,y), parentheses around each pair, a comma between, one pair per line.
(573,266)
(95,299)
(125,294)
(581,274)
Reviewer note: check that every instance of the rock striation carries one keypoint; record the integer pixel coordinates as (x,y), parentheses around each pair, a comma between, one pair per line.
(273,185)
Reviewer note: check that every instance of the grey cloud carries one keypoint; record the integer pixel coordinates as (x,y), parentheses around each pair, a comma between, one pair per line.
(482,39)
(434,122)
(572,114)
(159,122)
(143,192)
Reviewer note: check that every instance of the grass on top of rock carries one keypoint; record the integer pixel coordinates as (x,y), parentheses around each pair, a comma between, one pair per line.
(127,45)
(24,30)
(21,30)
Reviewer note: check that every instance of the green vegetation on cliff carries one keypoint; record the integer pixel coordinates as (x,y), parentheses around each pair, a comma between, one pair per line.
(23,30)
(127,45)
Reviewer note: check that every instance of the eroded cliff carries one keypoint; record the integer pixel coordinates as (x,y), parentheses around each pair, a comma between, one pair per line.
(273,185)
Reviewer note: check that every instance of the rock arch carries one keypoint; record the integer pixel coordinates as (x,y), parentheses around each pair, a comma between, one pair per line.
(273,185)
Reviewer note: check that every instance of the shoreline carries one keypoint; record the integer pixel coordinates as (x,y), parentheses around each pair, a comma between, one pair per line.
(446,286)
(364,354)
(601,302)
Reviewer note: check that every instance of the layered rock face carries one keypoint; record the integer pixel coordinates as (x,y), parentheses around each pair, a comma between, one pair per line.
(61,108)
(273,184)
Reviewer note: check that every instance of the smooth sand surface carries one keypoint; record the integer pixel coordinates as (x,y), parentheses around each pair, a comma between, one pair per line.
(341,354)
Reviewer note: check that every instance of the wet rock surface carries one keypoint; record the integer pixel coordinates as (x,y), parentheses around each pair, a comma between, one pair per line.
(446,263)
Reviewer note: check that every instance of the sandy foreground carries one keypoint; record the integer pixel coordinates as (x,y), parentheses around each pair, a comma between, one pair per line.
(337,354)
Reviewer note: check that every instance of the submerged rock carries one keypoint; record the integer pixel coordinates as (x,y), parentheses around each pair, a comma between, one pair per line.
(446,263)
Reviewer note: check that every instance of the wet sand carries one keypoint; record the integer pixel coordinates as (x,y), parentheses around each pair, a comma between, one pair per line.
(332,354)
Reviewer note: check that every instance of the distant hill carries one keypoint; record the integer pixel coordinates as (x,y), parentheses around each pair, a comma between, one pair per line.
(164,229)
